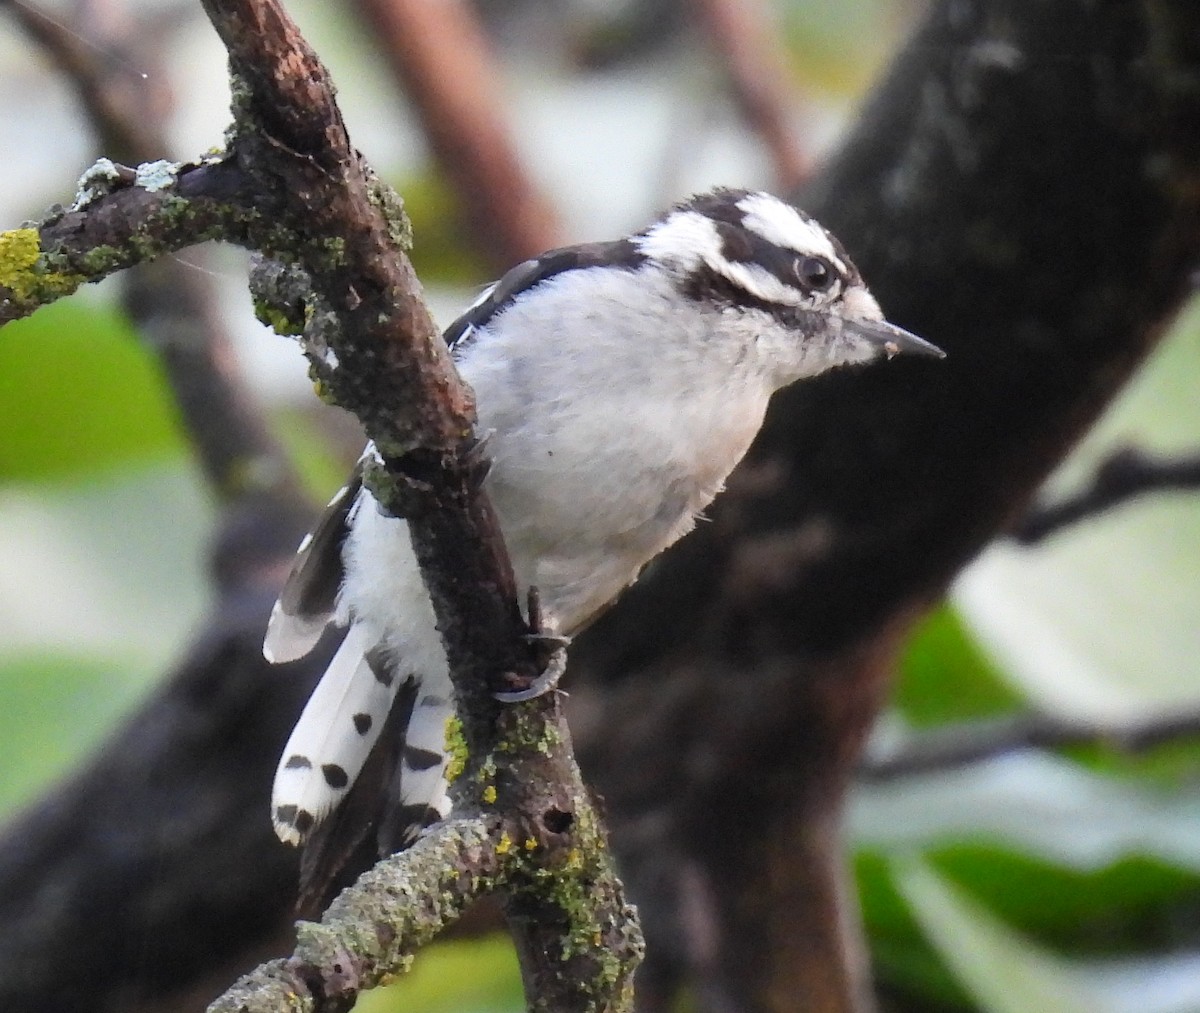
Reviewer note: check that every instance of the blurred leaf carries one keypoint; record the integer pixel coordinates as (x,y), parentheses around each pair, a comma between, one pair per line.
(1009,974)
(1004,972)
(945,677)
(53,710)
(443,252)
(1135,905)
(1032,802)
(840,47)
(462,976)
(114,566)
(78,394)
(905,965)
(1172,765)
(321,469)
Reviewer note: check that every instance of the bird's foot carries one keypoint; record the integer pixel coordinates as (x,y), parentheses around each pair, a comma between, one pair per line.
(551,649)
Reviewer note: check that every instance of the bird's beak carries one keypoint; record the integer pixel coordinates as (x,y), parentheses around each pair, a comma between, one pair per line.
(890,339)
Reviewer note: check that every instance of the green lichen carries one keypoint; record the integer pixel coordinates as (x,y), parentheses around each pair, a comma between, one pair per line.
(27,274)
(391,206)
(456,749)
(19,251)
(335,248)
(531,732)
(277,319)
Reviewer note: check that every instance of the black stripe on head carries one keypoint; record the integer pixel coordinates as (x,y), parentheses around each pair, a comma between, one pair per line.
(721,205)
(748,247)
(620,253)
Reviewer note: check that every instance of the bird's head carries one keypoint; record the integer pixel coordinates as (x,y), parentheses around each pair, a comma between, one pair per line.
(754,256)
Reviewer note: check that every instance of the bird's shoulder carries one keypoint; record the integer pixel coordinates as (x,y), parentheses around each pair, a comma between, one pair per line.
(619,254)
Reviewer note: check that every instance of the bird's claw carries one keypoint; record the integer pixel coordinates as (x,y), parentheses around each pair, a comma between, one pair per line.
(556,665)
(550,645)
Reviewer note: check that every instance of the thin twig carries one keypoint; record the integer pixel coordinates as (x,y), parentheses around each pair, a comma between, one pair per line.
(755,63)
(441,59)
(962,744)
(1125,474)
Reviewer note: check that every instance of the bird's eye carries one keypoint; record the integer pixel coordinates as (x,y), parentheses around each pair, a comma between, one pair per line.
(814,273)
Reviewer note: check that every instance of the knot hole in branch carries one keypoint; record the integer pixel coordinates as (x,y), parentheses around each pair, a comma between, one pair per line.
(557,821)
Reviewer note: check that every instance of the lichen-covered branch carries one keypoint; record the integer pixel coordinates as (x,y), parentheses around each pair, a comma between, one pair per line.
(172,305)
(292,187)
(536,841)
(374,928)
(123,216)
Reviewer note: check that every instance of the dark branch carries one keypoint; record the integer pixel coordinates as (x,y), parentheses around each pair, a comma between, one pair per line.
(755,62)
(1124,475)
(970,742)
(465,119)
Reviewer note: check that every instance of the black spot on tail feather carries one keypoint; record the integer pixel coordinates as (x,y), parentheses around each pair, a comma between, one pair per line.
(416,758)
(362,723)
(301,819)
(297,762)
(335,776)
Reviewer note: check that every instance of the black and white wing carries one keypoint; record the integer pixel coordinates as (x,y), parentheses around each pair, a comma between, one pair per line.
(306,604)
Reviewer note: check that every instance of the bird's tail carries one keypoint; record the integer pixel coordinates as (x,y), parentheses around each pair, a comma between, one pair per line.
(341,722)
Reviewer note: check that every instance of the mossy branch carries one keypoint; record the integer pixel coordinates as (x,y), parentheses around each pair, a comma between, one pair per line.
(291,186)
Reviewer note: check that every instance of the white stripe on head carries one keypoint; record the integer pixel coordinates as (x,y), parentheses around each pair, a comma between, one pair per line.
(780,223)
(685,238)
(758,281)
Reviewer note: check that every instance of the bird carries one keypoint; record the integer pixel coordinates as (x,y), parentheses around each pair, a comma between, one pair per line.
(617,385)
